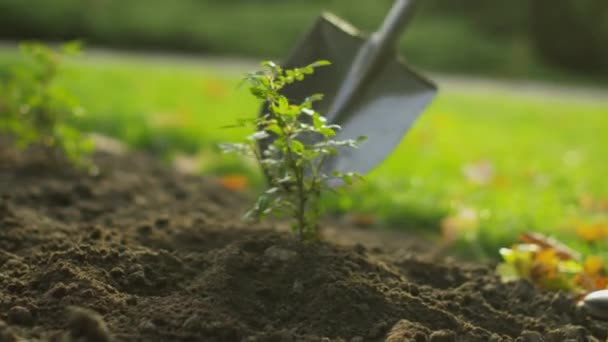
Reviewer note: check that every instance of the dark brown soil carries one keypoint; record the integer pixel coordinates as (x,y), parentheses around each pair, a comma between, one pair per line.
(142,253)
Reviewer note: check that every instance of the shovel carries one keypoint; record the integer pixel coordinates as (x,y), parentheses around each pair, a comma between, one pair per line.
(369,91)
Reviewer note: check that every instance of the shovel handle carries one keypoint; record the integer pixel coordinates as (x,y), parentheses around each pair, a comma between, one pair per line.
(394,23)
(369,56)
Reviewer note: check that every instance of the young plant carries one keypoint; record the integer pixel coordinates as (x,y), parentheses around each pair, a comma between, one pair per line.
(34,109)
(292,143)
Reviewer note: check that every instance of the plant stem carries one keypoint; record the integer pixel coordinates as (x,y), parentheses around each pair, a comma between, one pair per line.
(301,205)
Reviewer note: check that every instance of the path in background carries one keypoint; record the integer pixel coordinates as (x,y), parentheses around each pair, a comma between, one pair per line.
(457,83)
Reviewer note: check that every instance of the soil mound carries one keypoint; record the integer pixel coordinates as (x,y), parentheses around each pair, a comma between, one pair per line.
(143,253)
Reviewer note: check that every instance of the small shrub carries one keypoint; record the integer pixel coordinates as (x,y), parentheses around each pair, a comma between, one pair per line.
(34,110)
(298,142)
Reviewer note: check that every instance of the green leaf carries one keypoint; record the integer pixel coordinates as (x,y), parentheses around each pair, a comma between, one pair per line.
(297,146)
(319,63)
(259,135)
(274,128)
(327,132)
(273,66)
(280,105)
(314,98)
(293,110)
(258,92)
(308,70)
(297,73)
(318,121)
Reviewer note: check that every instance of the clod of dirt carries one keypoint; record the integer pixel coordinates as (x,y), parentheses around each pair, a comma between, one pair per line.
(161,256)
(280,254)
(443,336)
(19,315)
(87,326)
(531,336)
(6,333)
(405,330)
(147,327)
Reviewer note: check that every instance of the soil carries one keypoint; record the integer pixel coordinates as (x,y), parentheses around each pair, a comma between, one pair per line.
(141,252)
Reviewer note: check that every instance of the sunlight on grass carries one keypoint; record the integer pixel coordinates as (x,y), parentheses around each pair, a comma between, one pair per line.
(511,163)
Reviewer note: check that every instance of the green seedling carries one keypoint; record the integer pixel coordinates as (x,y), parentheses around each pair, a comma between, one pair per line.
(296,142)
(35,110)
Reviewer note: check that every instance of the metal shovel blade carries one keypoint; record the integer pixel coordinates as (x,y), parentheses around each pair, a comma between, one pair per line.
(387,102)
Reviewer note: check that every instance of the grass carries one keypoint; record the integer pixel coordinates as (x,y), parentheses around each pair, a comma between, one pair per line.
(546,154)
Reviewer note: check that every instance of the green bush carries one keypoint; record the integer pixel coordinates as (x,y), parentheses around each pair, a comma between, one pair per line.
(34,110)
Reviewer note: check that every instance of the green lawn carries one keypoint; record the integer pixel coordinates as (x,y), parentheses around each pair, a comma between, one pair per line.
(539,160)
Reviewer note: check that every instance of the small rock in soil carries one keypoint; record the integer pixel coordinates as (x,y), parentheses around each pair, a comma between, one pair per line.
(131,300)
(378,329)
(87,325)
(147,326)
(137,278)
(569,332)
(495,338)
(405,330)
(162,222)
(443,336)
(297,287)
(530,336)
(19,315)
(58,290)
(6,333)
(192,323)
(280,254)
(117,272)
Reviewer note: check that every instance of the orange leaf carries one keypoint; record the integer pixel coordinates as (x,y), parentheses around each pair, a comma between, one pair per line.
(601,283)
(363,220)
(480,173)
(215,89)
(591,233)
(234,182)
(545,265)
(461,222)
(593,265)
(544,242)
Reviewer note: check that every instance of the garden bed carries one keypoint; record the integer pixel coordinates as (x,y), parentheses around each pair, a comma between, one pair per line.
(141,252)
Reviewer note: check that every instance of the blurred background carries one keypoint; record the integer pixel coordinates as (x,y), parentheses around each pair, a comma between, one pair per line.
(508,38)
(514,142)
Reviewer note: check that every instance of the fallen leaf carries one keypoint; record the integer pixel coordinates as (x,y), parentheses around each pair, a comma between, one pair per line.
(545,242)
(465,220)
(592,232)
(593,265)
(545,264)
(234,182)
(362,219)
(215,89)
(586,202)
(480,173)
